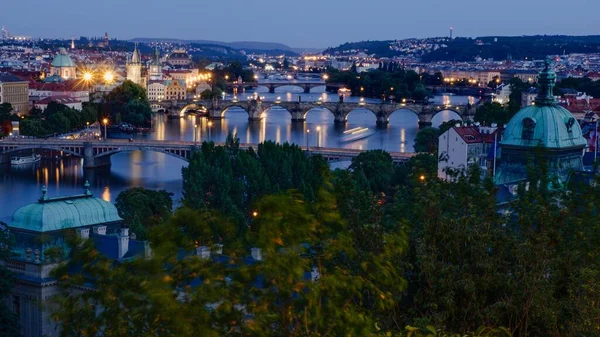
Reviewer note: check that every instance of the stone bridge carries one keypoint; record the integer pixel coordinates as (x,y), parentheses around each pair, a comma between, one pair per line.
(97,153)
(272,85)
(257,109)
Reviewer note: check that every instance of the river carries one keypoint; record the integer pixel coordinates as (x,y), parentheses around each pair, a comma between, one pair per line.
(22,185)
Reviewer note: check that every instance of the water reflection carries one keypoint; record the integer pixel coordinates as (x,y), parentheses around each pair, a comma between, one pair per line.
(21,185)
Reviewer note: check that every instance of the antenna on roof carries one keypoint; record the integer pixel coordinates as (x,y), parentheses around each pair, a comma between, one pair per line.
(87,188)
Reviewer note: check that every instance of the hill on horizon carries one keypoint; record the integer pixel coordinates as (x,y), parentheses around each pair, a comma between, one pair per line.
(245,45)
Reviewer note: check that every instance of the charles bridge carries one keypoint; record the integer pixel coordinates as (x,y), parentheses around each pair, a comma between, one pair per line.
(257,109)
(96,153)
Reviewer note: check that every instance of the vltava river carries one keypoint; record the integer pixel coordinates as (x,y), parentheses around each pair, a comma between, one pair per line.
(21,185)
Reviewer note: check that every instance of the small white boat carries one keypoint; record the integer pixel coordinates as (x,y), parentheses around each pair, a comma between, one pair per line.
(344,92)
(34,158)
(356,134)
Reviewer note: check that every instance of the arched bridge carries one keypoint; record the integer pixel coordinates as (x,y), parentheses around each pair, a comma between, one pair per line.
(257,109)
(97,153)
(306,86)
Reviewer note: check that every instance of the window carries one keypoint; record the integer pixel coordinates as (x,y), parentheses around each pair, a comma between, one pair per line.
(17,305)
(528,128)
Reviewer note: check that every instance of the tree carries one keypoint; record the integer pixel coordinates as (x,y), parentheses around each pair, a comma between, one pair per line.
(377,169)
(130,101)
(143,208)
(286,64)
(427,140)
(9,321)
(490,113)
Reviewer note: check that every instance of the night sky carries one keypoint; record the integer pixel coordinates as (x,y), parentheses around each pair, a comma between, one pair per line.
(305,23)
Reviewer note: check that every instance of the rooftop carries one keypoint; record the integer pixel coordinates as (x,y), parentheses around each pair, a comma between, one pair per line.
(53,214)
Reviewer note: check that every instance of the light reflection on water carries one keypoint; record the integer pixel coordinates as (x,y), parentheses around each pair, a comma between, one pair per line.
(21,185)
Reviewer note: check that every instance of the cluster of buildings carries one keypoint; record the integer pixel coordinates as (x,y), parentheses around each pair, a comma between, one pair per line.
(30,76)
(506,152)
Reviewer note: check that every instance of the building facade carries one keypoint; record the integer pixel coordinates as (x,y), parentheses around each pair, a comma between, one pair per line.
(15,91)
(464,146)
(175,90)
(156,91)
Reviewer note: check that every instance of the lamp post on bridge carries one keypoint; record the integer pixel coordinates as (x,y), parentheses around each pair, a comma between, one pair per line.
(307,134)
(105,122)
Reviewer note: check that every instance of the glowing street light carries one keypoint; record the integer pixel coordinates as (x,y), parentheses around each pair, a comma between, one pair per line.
(307,134)
(325,77)
(105,122)
(108,77)
(422,178)
(210,124)
(254,214)
(195,131)
(87,76)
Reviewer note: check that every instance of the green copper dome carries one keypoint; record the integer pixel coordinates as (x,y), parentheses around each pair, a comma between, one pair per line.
(544,124)
(53,214)
(62,59)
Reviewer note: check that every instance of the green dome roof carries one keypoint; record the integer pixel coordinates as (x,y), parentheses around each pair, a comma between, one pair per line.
(546,123)
(62,59)
(54,214)
(550,126)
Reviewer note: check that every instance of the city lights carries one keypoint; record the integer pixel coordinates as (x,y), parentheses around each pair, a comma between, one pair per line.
(108,77)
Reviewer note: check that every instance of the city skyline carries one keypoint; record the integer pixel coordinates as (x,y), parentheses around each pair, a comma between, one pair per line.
(313,25)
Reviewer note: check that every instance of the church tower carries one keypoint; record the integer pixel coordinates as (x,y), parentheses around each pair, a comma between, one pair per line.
(155,66)
(134,67)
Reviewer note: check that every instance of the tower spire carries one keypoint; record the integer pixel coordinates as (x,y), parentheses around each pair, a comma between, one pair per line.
(546,82)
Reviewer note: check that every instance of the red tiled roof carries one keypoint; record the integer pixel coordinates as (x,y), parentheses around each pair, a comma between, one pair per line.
(471,134)
(58,99)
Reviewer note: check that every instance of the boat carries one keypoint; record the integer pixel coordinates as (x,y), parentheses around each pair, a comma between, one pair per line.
(356,134)
(34,158)
(345,92)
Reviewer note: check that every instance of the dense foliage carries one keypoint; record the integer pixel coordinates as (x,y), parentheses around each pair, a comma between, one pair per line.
(57,119)
(397,84)
(9,321)
(142,209)
(6,117)
(375,250)
(584,85)
(128,103)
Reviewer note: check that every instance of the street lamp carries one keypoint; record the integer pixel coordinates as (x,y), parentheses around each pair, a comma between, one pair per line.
(422,178)
(307,134)
(195,131)
(105,122)
(210,124)
(108,77)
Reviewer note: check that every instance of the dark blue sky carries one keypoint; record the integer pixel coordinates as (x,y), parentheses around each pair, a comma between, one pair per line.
(298,23)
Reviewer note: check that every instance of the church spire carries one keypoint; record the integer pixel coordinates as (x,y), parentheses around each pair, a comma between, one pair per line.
(135,58)
(546,82)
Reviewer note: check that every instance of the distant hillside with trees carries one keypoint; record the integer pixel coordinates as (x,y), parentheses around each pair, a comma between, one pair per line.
(496,47)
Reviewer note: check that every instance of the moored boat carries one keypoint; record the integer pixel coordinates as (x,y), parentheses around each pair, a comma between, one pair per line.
(34,158)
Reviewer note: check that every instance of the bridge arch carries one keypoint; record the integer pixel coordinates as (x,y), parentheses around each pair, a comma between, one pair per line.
(276,107)
(179,154)
(232,106)
(192,106)
(358,109)
(452,114)
(43,147)
(318,107)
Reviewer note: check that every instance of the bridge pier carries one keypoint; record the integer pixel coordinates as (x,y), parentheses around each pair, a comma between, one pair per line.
(4,158)
(382,121)
(91,161)
(306,89)
(271,89)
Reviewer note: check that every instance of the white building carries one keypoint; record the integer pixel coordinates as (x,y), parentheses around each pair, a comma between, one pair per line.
(66,100)
(463,146)
(156,91)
